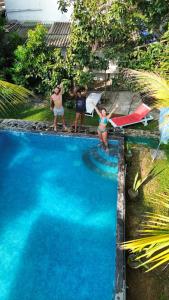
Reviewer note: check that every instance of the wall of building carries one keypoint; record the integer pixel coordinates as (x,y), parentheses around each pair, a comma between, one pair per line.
(36,10)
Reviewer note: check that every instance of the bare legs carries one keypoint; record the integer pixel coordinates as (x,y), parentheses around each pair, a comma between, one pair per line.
(103,139)
(55,122)
(63,122)
(76,120)
(100,136)
(82,119)
(79,116)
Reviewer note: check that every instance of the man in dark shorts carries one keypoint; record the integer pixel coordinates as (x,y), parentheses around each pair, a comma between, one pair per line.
(80,106)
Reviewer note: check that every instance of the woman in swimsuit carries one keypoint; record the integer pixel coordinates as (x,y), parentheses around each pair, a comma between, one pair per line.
(102,128)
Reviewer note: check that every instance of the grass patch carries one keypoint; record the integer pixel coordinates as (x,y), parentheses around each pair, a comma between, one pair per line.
(43,113)
(143,285)
(142,163)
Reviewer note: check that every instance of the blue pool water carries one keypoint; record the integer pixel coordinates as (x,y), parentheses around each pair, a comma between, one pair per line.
(57,218)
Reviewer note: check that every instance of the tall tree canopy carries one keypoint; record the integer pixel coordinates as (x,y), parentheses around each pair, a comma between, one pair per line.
(97,26)
(152,57)
(157,11)
(132,32)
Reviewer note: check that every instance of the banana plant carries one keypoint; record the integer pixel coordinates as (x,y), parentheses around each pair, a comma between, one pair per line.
(152,249)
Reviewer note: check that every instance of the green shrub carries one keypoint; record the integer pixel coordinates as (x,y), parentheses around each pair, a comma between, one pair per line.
(37,66)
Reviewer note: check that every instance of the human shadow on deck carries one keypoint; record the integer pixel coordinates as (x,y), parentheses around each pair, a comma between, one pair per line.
(63,260)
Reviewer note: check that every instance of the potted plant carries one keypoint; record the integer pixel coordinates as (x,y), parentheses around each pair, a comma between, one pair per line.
(133,191)
(134,261)
(128,153)
(138,182)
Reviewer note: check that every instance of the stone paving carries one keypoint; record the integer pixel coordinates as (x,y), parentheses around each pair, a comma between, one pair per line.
(15,124)
(126,102)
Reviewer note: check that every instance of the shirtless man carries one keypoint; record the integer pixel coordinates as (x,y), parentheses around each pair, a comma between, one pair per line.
(57,107)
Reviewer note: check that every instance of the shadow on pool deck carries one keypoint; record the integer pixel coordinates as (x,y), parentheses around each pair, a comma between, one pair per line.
(65,261)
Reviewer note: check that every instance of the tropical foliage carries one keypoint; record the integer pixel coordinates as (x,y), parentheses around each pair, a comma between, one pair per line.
(153,85)
(97,26)
(138,182)
(100,31)
(114,30)
(9,42)
(11,95)
(130,32)
(152,57)
(153,248)
(36,66)
(156,11)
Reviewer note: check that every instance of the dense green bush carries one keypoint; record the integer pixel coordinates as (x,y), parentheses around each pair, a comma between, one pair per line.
(37,66)
(83,78)
(9,42)
(152,57)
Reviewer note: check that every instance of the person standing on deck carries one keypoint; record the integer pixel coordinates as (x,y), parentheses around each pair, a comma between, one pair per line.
(57,107)
(80,106)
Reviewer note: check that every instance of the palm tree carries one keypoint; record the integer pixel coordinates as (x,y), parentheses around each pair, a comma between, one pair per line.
(11,95)
(153,85)
(153,248)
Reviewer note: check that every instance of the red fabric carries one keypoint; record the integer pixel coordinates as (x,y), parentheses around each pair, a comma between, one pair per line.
(137,116)
(142,110)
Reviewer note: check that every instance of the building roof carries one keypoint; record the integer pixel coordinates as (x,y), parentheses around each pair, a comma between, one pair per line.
(22,28)
(60,28)
(57,35)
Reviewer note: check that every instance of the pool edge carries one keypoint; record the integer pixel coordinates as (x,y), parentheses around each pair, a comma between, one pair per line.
(120,285)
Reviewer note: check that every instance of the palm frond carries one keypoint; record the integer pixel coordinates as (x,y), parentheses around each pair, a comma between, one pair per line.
(154,85)
(11,95)
(153,247)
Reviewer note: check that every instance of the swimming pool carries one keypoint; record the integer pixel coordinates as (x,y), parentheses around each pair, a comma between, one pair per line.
(57,217)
